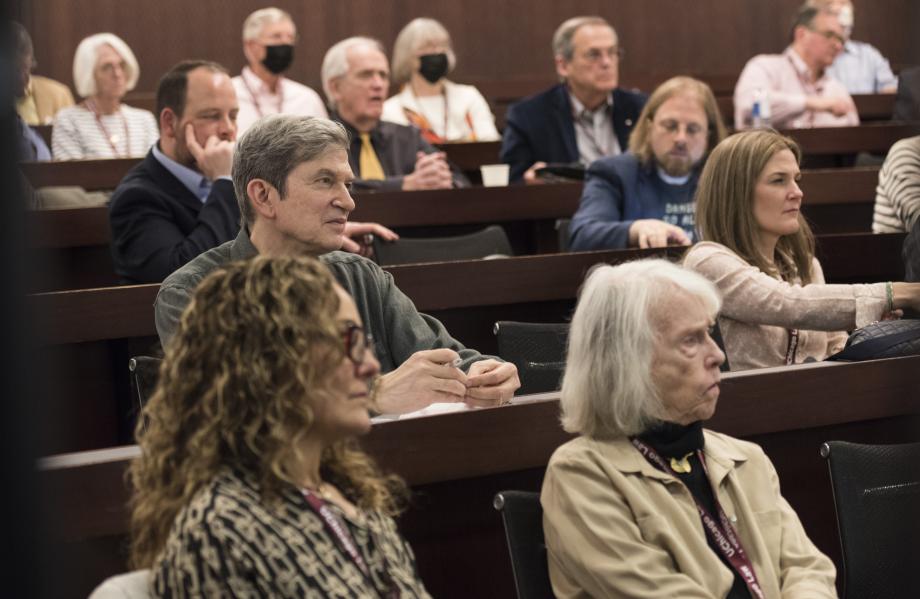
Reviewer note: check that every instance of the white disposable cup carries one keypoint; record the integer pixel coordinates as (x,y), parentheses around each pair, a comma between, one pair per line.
(495,175)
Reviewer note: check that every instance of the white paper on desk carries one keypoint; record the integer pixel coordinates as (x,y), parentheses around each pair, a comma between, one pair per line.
(445,407)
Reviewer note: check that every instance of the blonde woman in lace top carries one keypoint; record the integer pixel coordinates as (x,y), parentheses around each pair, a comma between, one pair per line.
(759,251)
(102,125)
(250,482)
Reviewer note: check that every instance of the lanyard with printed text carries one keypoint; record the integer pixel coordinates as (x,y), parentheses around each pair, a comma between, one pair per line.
(337,529)
(720,532)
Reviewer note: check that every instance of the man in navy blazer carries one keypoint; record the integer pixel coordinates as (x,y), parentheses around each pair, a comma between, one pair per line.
(582,119)
(179,201)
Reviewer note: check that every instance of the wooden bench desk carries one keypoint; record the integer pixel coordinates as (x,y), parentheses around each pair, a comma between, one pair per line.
(73,243)
(91,175)
(87,336)
(456,462)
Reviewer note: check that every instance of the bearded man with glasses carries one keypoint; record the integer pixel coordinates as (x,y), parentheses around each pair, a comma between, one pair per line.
(644,198)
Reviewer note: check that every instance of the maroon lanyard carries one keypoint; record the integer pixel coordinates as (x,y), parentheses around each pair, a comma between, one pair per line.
(792,347)
(255,100)
(105,133)
(337,529)
(720,532)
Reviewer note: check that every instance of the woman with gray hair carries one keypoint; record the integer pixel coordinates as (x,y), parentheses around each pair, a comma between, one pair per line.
(441,109)
(645,502)
(101,126)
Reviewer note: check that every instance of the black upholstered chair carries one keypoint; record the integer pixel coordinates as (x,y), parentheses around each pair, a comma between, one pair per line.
(491,242)
(538,351)
(522,516)
(562,233)
(877,496)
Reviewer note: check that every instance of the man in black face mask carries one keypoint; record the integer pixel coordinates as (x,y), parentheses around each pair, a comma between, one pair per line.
(268,43)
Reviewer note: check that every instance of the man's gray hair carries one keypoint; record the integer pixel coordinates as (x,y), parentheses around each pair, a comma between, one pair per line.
(806,14)
(276,145)
(335,63)
(252,26)
(562,39)
(607,389)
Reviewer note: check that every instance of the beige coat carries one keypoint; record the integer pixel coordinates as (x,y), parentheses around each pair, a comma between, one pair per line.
(616,526)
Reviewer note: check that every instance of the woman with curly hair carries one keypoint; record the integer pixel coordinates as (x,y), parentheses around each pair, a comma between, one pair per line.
(250,482)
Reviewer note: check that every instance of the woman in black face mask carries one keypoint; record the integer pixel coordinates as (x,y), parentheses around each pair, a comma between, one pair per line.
(262,89)
(441,109)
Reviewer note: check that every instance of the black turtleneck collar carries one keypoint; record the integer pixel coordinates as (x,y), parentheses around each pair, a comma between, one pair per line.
(674,440)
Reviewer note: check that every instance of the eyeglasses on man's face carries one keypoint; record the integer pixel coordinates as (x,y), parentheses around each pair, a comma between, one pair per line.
(672,127)
(831,36)
(596,54)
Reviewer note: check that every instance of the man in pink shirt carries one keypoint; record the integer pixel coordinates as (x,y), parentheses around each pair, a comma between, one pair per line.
(792,88)
(268,43)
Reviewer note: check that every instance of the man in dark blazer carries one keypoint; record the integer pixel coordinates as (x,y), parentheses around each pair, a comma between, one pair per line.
(582,119)
(385,156)
(179,201)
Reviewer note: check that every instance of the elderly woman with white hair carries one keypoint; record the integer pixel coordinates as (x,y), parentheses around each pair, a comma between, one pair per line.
(645,502)
(441,109)
(101,126)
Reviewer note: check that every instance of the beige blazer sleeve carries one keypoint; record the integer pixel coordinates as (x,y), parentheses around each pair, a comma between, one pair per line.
(805,572)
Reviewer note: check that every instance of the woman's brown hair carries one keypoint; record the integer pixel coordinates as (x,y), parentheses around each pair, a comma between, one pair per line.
(725,204)
(254,352)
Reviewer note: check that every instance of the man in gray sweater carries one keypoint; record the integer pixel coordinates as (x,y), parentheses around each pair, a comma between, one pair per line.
(292,179)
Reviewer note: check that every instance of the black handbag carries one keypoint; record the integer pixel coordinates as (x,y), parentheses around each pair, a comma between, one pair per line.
(883,339)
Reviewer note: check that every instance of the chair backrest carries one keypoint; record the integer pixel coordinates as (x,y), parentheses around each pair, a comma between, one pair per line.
(522,516)
(133,585)
(877,497)
(538,351)
(562,233)
(491,242)
(144,372)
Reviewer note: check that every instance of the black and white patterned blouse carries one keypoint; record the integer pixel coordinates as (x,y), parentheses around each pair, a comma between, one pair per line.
(228,543)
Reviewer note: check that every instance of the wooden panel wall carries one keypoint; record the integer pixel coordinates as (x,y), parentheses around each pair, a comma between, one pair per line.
(494,39)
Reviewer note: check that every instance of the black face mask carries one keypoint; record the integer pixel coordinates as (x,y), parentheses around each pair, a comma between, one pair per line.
(433,67)
(278,58)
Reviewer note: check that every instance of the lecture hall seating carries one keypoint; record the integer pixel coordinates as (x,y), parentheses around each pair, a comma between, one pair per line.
(456,462)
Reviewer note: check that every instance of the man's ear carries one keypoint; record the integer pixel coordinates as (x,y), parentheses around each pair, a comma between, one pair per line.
(334,90)
(264,198)
(250,51)
(562,67)
(169,124)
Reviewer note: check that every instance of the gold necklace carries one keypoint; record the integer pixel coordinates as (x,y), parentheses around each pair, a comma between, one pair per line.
(682,465)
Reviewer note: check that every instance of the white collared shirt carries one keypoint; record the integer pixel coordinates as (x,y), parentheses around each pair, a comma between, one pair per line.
(257,99)
(594,132)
